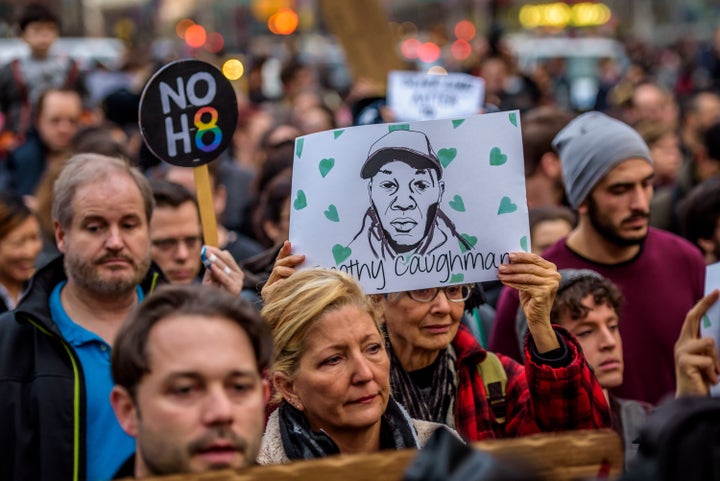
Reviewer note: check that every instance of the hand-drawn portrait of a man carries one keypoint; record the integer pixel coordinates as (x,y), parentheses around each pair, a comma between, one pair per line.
(405,187)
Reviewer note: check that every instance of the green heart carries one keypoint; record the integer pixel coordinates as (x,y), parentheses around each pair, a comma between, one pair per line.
(457,123)
(332,214)
(506,206)
(523,243)
(457,204)
(392,128)
(513,118)
(706,322)
(470,239)
(340,253)
(299,147)
(300,200)
(446,156)
(338,133)
(455,278)
(326,166)
(497,157)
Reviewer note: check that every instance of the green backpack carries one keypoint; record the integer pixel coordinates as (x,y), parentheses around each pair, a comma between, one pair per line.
(495,379)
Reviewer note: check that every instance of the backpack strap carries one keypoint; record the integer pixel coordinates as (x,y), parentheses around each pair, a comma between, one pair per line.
(494,377)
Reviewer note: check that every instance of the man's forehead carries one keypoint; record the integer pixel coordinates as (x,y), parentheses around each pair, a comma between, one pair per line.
(630,170)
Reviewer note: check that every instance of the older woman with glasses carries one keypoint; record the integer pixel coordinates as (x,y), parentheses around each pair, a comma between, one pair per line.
(436,363)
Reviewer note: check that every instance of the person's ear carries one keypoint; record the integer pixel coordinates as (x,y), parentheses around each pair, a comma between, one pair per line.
(59,236)
(125,410)
(266,390)
(369,187)
(707,246)
(441,184)
(286,387)
(550,165)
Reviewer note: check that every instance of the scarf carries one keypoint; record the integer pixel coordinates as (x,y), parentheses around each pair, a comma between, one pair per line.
(434,404)
(301,442)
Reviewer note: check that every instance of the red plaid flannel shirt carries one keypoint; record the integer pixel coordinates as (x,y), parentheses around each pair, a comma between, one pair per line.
(540,398)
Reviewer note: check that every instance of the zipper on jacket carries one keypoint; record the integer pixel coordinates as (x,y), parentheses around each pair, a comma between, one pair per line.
(76,398)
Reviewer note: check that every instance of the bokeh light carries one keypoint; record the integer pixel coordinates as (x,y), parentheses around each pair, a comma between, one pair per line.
(465,30)
(428,52)
(461,49)
(182,26)
(215,42)
(283,22)
(409,48)
(195,36)
(233,69)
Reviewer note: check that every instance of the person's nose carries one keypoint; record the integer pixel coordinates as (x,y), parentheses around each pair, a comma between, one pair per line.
(181,251)
(441,303)
(640,198)
(403,200)
(114,240)
(607,339)
(362,372)
(217,408)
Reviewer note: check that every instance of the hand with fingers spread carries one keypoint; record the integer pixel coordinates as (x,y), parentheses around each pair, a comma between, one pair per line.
(285,265)
(222,271)
(537,282)
(696,358)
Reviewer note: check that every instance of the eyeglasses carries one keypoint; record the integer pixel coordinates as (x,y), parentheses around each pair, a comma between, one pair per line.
(171,243)
(458,293)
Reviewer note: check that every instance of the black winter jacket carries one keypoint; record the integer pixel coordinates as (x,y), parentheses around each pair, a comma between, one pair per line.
(42,389)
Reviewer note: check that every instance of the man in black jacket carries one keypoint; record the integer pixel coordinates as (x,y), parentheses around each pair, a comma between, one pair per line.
(56,421)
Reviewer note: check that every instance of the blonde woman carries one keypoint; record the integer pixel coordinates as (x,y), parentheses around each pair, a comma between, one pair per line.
(331,373)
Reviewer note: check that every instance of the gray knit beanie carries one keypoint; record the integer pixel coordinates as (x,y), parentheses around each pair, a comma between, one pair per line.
(590,146)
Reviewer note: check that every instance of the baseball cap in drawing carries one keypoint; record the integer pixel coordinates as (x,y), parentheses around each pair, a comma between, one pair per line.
(409,146)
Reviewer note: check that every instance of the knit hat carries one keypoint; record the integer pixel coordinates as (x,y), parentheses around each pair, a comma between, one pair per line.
(590,146)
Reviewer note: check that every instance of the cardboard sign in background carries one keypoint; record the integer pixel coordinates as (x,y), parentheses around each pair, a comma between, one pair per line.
(484,196)
(421,96)
(188,113)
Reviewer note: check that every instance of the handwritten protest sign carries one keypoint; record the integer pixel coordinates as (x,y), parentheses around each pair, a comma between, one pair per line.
(421,96)
(710,324)
(411,205)
(188,114)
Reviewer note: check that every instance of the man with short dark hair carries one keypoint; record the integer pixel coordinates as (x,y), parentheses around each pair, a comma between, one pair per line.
(699,216)
(608,173)
(188,367)
(175,232)
(56,421)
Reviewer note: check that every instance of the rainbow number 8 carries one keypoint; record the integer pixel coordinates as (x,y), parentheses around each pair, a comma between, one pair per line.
(203,127)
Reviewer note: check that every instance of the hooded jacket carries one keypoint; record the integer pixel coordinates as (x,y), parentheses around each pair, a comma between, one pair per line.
(42,405)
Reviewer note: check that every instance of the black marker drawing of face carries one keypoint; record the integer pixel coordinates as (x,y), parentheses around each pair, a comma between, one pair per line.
(406,200)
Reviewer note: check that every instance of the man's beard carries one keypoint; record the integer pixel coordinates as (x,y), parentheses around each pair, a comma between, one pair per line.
(610,232)
(163,458)
(87,275)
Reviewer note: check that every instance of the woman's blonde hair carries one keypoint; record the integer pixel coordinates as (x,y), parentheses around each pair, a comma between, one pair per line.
(299,301)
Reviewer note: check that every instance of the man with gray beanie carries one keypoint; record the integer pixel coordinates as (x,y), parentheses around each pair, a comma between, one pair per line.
(608,173)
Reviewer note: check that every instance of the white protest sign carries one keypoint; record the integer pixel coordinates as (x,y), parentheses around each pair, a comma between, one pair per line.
(414,205)
(710,324)
(420,96)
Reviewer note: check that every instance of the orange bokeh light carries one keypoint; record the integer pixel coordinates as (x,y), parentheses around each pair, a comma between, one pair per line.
(465,30)
(283,22)
(195,36)
(182,27)
(461,49)
(428,52)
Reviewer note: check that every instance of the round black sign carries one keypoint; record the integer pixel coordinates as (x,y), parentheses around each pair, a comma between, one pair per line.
(188,113)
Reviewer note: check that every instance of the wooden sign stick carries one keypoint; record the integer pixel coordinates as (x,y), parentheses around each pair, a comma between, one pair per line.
(205,204)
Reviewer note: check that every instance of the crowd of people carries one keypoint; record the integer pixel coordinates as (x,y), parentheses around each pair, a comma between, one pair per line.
(130,348)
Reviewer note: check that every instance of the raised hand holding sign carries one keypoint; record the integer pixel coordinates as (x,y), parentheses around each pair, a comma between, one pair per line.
(188,114)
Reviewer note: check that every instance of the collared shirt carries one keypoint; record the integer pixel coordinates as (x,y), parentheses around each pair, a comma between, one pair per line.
(107,445)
